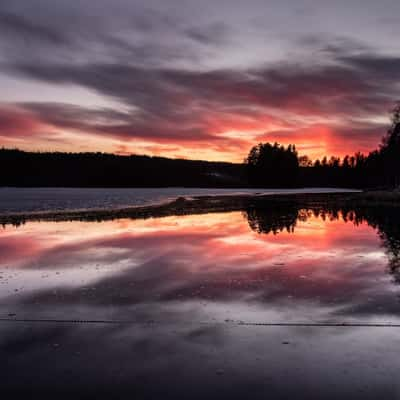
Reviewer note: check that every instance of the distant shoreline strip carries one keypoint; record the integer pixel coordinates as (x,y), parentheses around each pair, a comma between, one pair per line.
(209,204)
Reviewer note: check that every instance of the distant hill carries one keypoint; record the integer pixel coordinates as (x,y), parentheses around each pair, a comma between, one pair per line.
(34,169)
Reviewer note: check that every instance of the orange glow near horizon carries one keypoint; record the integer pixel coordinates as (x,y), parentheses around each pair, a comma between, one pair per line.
(223,140)
(313,148)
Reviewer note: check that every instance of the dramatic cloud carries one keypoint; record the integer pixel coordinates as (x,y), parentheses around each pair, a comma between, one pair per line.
(173,81)
(18,27)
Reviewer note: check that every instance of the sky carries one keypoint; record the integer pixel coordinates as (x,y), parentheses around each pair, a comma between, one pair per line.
(197,79)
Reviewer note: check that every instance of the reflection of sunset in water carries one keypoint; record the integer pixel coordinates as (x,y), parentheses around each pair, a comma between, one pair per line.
(311,267)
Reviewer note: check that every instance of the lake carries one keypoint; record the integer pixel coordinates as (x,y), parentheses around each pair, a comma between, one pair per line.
(245,301)
(14,200)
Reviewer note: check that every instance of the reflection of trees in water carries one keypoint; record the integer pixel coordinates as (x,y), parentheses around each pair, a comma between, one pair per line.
(272,220)
(285,217)
(393,245)
(386,220)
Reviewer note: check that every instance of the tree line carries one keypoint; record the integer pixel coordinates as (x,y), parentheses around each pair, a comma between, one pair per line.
(36,169)
(274,165)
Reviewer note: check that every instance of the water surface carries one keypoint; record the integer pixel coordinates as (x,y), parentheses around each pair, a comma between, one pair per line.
(222,304)
(253,266)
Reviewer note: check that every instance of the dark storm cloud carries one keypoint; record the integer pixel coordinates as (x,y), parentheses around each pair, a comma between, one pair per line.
(108,122)
(134,35)
(131,67)
(213,34)
(351,86)
(375,67)
(334,45)
(16,26)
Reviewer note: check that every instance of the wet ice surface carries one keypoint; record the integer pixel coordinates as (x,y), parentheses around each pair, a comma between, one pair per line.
(61,199)
(176,301)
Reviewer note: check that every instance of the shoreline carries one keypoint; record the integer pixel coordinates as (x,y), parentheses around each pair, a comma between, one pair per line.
(210,204)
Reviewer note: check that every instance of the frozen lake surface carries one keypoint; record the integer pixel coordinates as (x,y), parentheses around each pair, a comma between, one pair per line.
(61,199)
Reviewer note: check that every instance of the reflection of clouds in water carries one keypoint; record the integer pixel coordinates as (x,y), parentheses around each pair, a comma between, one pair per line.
(295,263)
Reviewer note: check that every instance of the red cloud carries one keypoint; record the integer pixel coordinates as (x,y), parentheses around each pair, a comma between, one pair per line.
(17,123)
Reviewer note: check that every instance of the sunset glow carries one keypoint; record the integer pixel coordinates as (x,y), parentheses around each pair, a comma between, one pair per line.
(196,81)
(200,199)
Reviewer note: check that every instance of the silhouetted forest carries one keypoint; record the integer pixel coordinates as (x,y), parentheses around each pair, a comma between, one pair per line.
(19,168)
(267,165)
(274,165)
